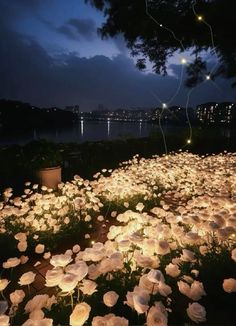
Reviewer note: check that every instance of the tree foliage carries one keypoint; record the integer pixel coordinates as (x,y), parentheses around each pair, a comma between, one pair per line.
(139,21)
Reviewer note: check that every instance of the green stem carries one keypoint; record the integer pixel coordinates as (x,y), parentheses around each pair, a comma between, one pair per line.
(3,296)
(72,302)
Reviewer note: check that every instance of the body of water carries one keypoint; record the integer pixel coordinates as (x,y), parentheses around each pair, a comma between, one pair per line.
(86,130)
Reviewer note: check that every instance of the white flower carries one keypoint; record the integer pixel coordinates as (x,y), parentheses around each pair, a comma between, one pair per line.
(187,256)
(80,314)
(138,299)
(27,278)
(3,283)
(38,302)
(172,270)
(140,303)
(76,248)
(100,218)
(157,315)
(229,285)
(17,297)
(21,236)
(68,282)
(147,285)
(79,269)
(22,246)
(139,207)
(36,315)
(164,289)
(60,260)
(109,320)
(39,249)
(110,298)
(233,254)
(196,312)
(42,322)
(93,271)
(24,259)
(162,247)
(4,320)
(47,255)
(155,276)
(11,262)
(195,292)
(88,287)
(54,276)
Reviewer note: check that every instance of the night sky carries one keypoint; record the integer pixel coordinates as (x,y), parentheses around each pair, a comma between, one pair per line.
(51,55)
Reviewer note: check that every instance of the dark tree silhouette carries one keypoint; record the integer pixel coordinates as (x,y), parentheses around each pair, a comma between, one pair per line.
(147,39)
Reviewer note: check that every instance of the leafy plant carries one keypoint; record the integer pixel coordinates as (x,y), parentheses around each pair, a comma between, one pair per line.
(43,154)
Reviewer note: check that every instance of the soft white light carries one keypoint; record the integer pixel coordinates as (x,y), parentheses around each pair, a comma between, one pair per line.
(208,77)
(199,18)
(164,105)
(183,61)
(189,141)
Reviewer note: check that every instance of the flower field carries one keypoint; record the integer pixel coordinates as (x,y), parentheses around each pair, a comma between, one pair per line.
(169,256)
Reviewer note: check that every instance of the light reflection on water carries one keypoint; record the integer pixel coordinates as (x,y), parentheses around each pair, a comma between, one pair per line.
(84,130)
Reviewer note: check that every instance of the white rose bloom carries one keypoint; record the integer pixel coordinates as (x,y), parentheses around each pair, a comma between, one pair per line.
(54,276)
(38,302)
(172,270)
(162,247)
(88,287)
(24,259)
(93,271)
(184,288)
(187,256)
(76,248)
(20,236)
(233,254)
(4,320)
(27,278)
(17,297)
(140,303)
(164,289)
(60,260)
(117,321)
(110,298)
(47,255)
(155,276)
(22,246)
(11,262)
(196,312)
(3,283)
(42,322)
(197,291)
(36,315)
(68,282)
(80,314)
(99,321)
(157,315)
(147,285)
(229,285)
(39,249)
(79,269)
(109,320)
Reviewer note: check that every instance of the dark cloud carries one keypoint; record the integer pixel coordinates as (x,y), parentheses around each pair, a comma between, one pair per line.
(29,74)
(76,28)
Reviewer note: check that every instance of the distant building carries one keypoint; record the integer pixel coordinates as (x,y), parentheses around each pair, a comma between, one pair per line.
(216,113)
(72,108)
